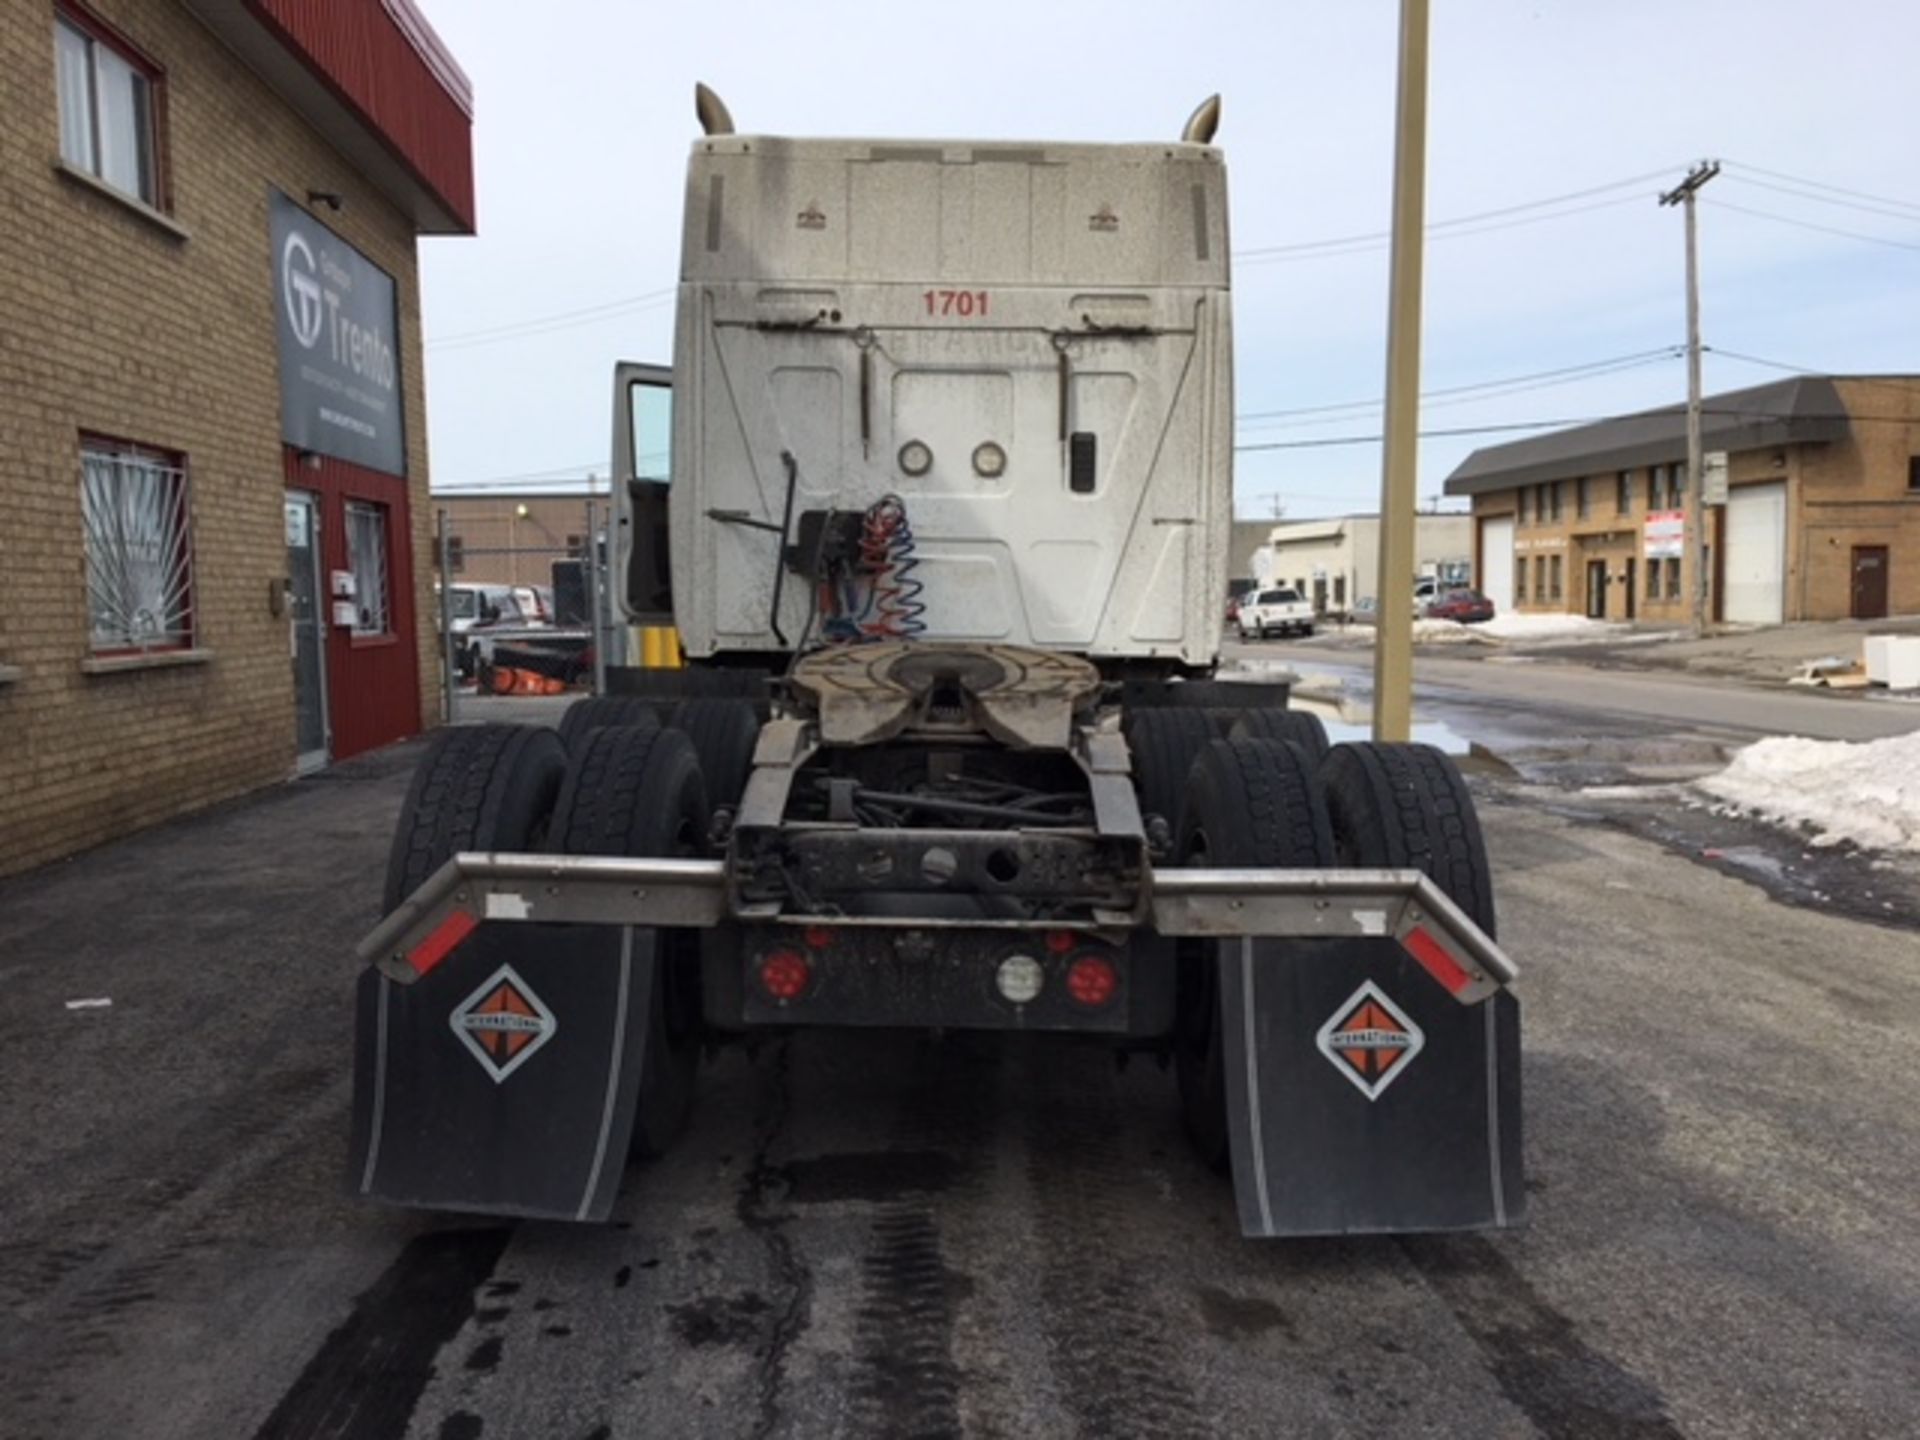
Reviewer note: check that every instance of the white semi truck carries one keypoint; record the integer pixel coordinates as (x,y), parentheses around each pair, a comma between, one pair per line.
(937,493)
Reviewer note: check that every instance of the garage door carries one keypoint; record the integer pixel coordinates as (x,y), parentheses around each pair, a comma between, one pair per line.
(1496,561)
(1757,554)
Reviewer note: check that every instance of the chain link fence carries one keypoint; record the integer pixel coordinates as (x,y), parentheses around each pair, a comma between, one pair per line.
(524,607)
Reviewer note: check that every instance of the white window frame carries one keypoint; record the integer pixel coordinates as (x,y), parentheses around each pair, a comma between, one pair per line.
(372,592)
(137,536)
(88,151)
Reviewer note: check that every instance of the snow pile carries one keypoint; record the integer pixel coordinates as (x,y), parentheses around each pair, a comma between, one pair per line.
(1509,626)
(1446,632)
(1868,793)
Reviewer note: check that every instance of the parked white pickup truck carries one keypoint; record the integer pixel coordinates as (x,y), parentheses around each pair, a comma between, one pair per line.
(1282,611)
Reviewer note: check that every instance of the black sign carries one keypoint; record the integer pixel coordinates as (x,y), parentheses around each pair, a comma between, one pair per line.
(335,313)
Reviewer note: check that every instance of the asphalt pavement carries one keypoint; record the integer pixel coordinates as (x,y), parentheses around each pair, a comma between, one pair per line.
(896,1234)
(1523,696)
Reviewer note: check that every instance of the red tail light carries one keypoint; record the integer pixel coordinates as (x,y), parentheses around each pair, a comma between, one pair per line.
(1092,981)
(785,974)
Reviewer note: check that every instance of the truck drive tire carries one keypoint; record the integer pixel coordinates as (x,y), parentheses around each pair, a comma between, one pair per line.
(1406,807)
(599,710)
(1163,741)
(1297,727)
(1251,803)
(724,732)
(477,787)
(637,790)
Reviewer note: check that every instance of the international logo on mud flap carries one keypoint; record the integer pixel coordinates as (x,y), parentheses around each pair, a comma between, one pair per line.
(503,1023)
(1370,1040)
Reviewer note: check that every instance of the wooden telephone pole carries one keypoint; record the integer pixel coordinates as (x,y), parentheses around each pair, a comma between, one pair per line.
(1682,194)
(1393,629)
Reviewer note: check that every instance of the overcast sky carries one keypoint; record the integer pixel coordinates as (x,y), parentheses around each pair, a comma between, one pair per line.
(584,117)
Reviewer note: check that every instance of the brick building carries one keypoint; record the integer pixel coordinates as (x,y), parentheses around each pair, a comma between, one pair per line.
(1821,519)
(513,539)
(210,392)
(1336,562)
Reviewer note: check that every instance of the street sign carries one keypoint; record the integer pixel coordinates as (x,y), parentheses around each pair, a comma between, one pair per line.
(1713,477)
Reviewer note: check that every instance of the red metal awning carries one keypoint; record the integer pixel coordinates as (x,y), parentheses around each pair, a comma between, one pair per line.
(373,78)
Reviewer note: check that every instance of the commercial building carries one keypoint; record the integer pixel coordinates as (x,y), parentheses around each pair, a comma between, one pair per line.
(1820,520)
(514,538)
(1336,563)
(213,492)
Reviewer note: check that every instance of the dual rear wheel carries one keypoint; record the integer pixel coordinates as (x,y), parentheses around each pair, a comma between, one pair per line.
(1256,802)
(612,781)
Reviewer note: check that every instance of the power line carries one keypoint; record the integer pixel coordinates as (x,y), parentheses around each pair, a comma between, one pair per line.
(1466,394)
(1823,185)
(1460,226)
(1436,227)
(1912,217)
(1903,386)
(536,325)
(547,324)
(557,474)
(1382,242)
(1810,225)
(1332,440)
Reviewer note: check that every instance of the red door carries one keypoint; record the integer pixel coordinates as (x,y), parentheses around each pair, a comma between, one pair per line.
(373,654)
(1869,582)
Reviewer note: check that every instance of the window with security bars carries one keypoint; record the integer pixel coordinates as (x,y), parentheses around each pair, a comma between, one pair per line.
(109,96)
(367,558)
(139,549)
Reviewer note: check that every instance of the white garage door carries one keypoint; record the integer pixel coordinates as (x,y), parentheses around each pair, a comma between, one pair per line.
(1757,554)
(1496,561)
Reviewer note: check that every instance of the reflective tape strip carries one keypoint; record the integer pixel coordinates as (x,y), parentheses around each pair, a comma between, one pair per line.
(441,941)
(1435,960)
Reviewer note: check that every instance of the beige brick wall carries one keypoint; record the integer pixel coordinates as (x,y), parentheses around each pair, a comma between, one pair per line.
(1854,492)
(500,545)
(1839,495)
(109,323)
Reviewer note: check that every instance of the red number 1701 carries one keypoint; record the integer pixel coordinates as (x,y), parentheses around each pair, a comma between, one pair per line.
(964,303)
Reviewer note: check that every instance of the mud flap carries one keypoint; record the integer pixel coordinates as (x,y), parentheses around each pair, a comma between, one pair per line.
(504,1081)
(1362,1097)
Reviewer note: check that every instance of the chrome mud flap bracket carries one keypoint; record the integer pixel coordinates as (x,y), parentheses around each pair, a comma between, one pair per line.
(1371,1049)
(503,1078)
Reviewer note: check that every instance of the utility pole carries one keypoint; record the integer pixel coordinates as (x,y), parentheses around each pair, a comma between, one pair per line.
(1682,194)
(1393,637)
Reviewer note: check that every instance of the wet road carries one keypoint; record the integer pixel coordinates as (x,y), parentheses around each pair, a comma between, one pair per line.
(1516,698)
(893,1235)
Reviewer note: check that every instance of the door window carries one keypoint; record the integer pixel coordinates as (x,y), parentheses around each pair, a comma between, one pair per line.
(367,558)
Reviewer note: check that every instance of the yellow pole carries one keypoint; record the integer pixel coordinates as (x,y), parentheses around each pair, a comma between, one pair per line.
(1393,639)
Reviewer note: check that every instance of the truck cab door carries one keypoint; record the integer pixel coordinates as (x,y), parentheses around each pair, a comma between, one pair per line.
(642,476)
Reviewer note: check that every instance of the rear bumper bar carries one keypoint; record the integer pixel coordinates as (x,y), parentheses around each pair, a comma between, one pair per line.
(476,887)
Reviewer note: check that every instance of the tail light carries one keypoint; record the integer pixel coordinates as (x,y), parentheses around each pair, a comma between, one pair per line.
(1092,980)
(785,975)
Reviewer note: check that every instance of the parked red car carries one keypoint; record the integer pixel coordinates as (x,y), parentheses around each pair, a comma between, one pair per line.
(1467,606)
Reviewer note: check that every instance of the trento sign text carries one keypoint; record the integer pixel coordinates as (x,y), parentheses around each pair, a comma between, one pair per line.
(338,325)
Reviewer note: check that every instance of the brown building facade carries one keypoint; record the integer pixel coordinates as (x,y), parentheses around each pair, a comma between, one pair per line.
(502,538)
(214,476)
(1821,519)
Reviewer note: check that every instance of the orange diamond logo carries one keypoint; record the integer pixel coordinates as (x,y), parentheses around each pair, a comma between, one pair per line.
(1370,1040)
(503,1023)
